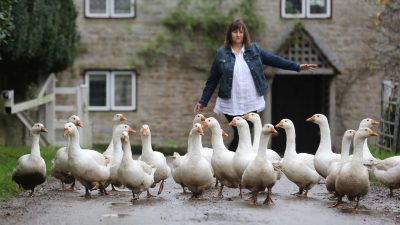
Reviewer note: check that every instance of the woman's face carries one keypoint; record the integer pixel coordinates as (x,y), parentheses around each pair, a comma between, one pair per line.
(237,36)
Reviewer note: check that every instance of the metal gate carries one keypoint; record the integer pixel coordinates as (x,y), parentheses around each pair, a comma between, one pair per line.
(389,125)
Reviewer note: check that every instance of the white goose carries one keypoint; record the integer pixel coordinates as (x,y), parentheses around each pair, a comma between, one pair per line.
(244,152)
(176,174)
(260,173)
(296,166)
(390,178)
(256,120)
(116,158)
(154,158)
(89,167)
(60,168)
(222,158)
(196,171)
(369,123)
(31,168)
(335,166)
(206,152)
(136,175)
(324,155)
(353,178)
(116,120)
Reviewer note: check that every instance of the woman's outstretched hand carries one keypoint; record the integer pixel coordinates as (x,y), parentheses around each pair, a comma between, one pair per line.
(308,67)
(198,108)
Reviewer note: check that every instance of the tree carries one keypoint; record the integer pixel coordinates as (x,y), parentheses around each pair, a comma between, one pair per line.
(6,24)
(42,40)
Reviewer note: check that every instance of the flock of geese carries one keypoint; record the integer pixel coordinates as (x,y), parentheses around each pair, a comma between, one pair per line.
(253,166)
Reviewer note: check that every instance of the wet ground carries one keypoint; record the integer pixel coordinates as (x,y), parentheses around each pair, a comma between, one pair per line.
(51,206)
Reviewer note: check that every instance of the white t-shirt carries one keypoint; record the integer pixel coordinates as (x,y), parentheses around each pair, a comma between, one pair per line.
(244,97)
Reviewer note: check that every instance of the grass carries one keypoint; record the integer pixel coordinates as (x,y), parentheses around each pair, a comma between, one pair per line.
(8,160)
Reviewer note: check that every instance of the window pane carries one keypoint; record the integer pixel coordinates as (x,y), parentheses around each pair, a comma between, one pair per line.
(97,90)
(122,6)
(123,90)
(293,7)
(318,6)
(97,6)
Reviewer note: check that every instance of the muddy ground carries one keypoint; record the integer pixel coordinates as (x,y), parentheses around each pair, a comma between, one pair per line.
(51,206)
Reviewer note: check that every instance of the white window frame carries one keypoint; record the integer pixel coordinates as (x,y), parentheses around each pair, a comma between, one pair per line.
(109,10)
(110,90)
(319,15)
(305,9)
(299,15)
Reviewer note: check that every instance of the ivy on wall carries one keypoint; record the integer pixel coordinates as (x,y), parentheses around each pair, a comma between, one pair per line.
(195,29)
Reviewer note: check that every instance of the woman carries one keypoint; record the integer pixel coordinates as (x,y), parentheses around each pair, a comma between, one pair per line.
(238,69)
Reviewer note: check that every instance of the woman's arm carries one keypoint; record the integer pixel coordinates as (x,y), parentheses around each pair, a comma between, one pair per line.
(211,85)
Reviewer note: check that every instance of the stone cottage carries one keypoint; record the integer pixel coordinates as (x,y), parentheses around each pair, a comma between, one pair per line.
(332,33)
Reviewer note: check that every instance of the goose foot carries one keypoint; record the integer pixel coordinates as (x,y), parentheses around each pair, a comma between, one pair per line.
(333,197)
(240,191)
(220,194)
(216,183)
(134,197)
(268,200)
(161,187)
(31,194)
(337,203)
(197,197)
(150,195)
(390,195)
(87,194)
(253,198)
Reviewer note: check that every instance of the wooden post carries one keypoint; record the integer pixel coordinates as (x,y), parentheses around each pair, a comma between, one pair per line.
(83,104)
(49,109)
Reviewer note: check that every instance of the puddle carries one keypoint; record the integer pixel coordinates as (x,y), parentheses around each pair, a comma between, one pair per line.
(369,212)
(120,204)
(116,215)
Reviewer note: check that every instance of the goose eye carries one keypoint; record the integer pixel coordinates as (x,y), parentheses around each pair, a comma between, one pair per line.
(317,115)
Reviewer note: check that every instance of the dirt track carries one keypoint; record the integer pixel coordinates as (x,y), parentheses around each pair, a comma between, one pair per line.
(51,206)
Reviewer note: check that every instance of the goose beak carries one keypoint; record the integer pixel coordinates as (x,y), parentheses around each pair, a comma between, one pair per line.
(203,118)
(273,130)
(200,130)
(66,132)
(280,124)
(204,124)
(144,131)
(78,123)
(224,133)
(125,138)
(371,133)
(44,129)
(311,119)
(122,118)
(232,123)
(246,116)
(374,122)
(131,130)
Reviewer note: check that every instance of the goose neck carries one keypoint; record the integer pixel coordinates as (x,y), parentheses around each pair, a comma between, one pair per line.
(264,140)
(146,144)
(127,156)
(74,141)
(325,141)
(290,142)
(196,144)
(358,151)
(35,148)
(344,155)
(216,138)
(244,138)
(257,126)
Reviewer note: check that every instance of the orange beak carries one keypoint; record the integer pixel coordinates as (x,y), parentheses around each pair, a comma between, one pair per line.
(246,117)
(203,118)
(204,125)
(374,122)
(232,123)
(66,132)
(78,123)
(200,131)
(144,131)
(125,138)
(122,118)
(44,129)
(224,133)
(280,124)
(311,119)
(273,130)
(371,133)
(131,130)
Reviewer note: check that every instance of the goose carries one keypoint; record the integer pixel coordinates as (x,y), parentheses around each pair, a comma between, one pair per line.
(260,173)
(89,167)
(244,152)
(136,175)
(390,177)
(295,166)
(31,168)
(115,159)
(324,154)
(116,120)
(222,158)
(154,158)
(206,152)
(256,120)
(335,166)
(176,175)
(196,171)
(369,123)
(353,178)
(60,168)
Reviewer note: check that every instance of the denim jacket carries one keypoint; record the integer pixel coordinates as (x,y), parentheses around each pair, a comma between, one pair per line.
(222,70)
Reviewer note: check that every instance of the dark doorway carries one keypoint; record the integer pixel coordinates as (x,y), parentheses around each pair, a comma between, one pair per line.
(298,97)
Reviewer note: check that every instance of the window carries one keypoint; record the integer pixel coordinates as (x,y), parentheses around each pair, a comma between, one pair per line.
(110,8)
(306,8)
(111,90)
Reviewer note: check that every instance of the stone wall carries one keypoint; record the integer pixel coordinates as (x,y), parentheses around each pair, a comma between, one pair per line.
(167,93)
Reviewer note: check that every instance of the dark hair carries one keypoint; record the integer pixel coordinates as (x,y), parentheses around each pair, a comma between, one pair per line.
(237,24)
